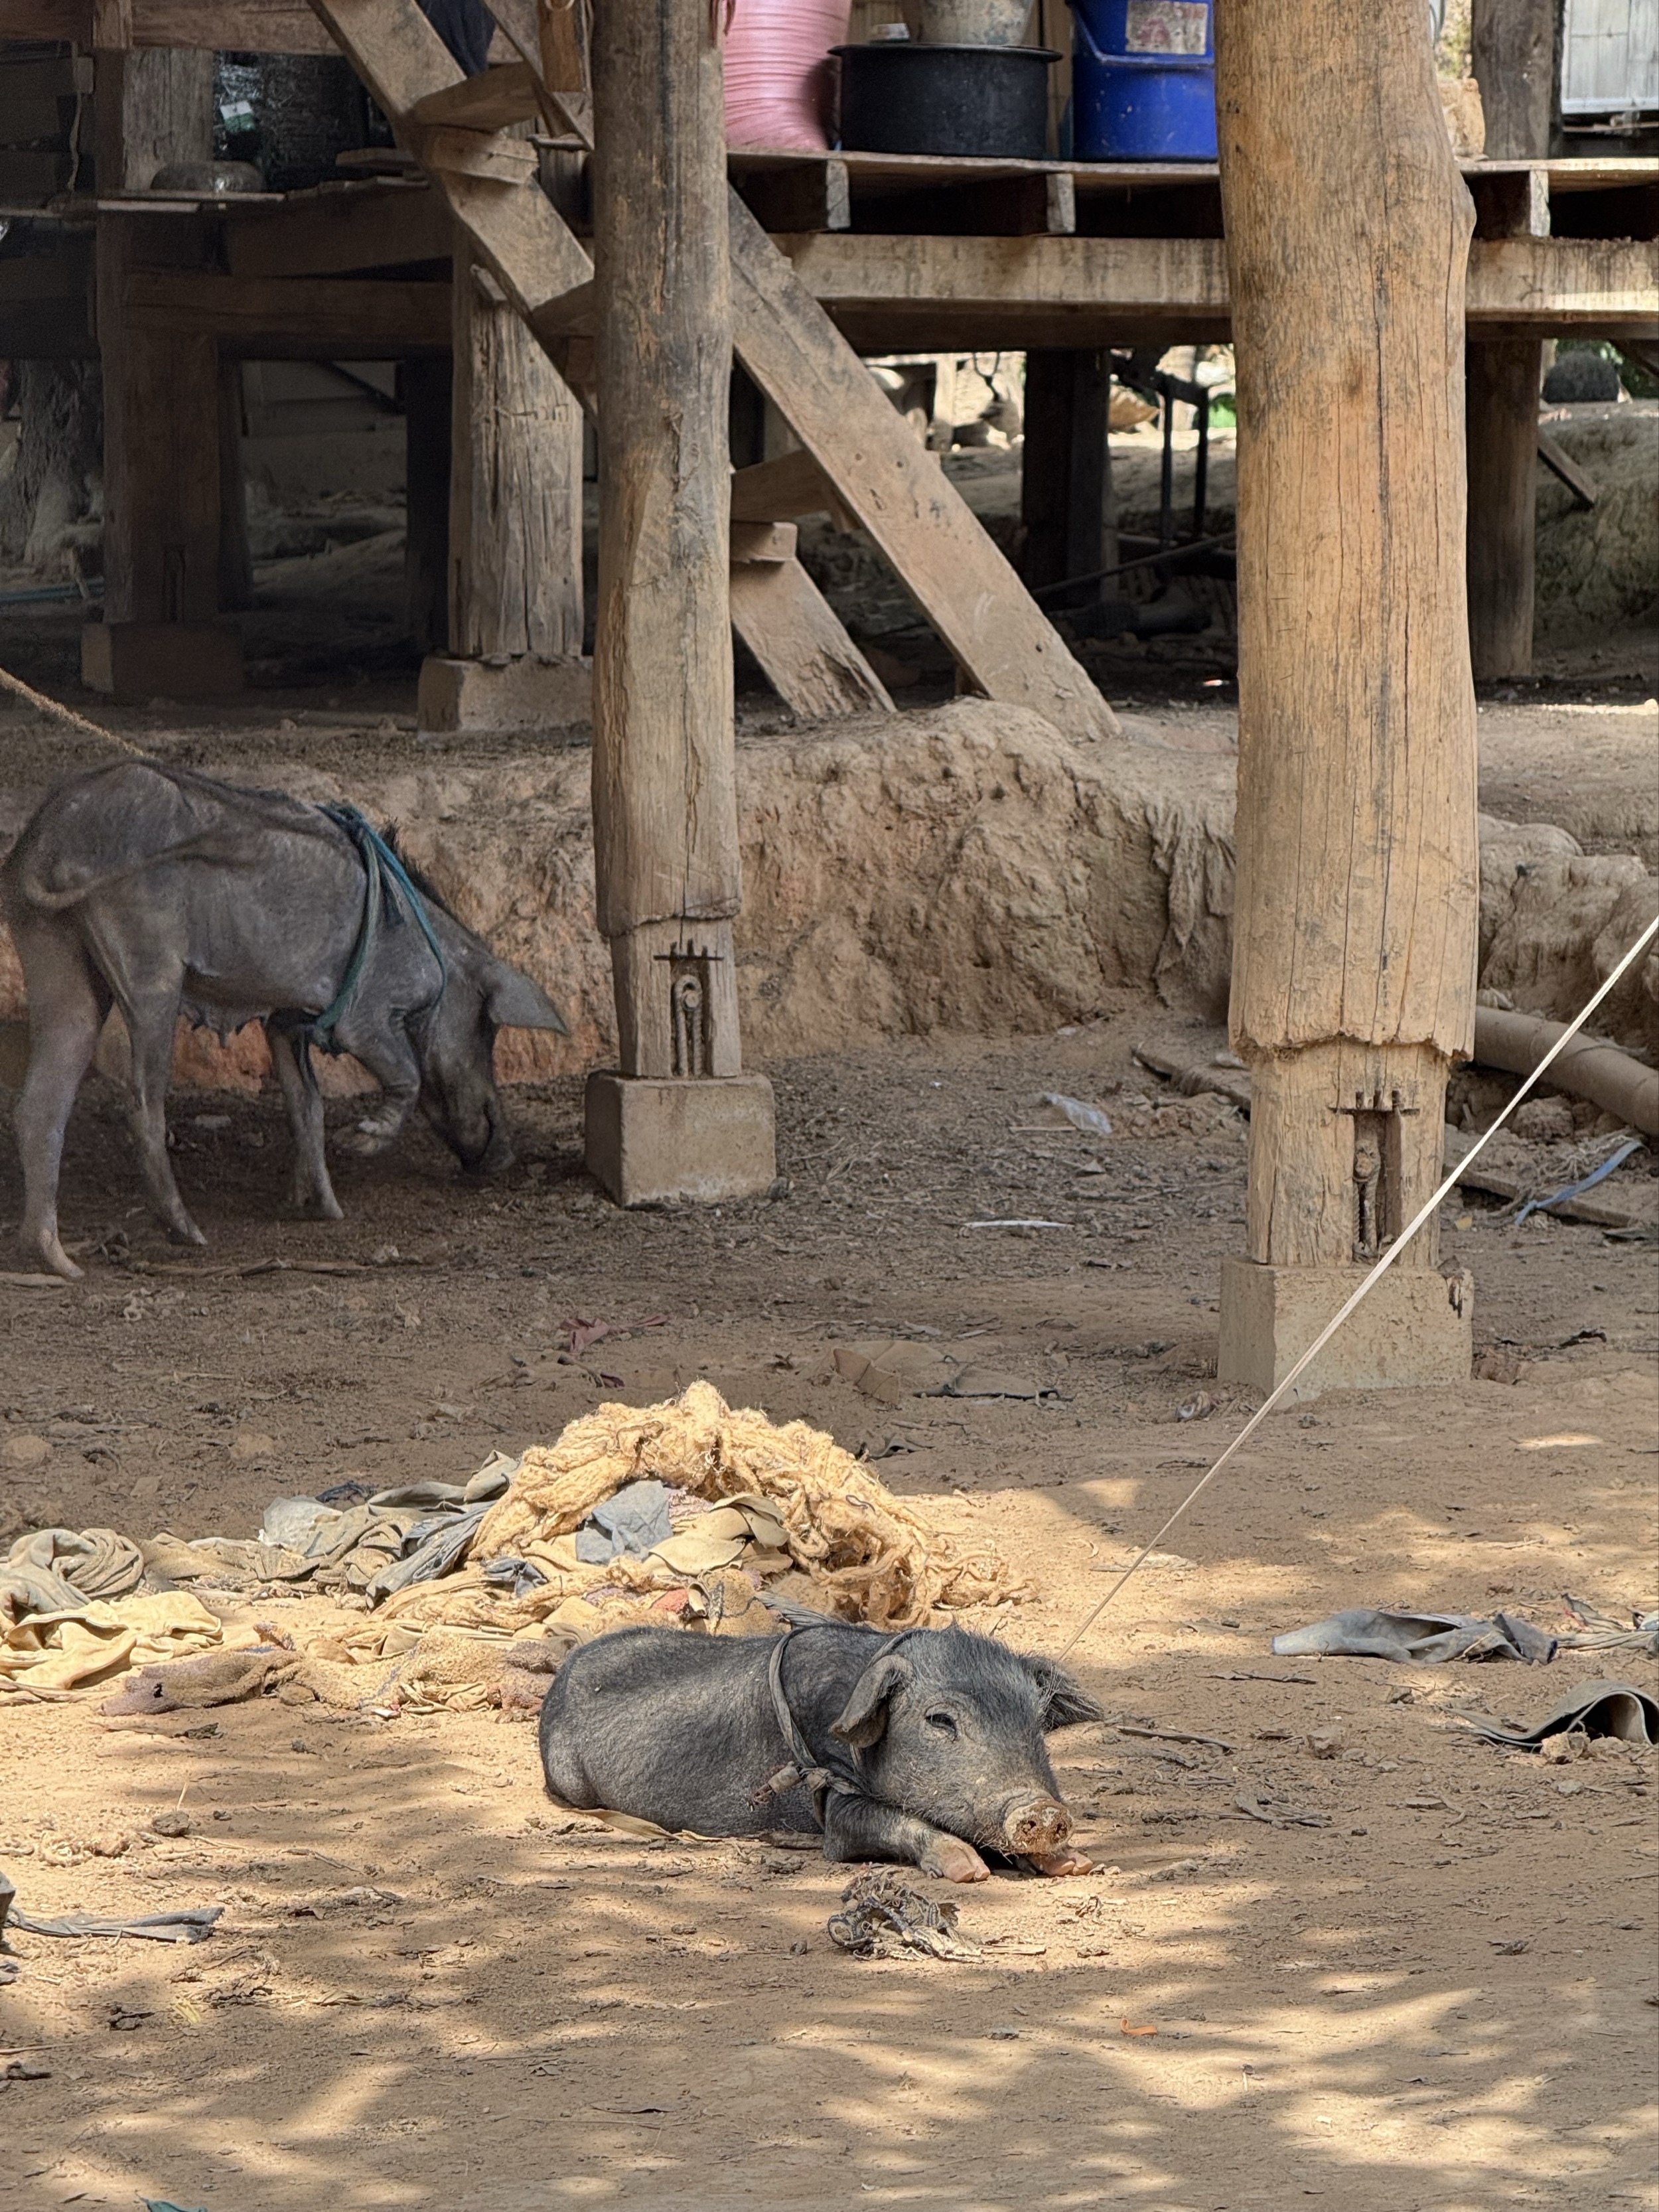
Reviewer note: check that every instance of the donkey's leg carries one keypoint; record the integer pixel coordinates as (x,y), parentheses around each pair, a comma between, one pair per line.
(67,1003)
(153,1019)
(290,1055)
(385,1051)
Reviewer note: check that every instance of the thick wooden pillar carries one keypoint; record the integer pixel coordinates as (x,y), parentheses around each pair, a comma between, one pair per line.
(1513,44)
(162,402)
(515,528)
(1066,476)
(1353,970)
(678,1119)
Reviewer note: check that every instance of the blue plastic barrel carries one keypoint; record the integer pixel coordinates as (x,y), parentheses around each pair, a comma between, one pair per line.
(1143,81)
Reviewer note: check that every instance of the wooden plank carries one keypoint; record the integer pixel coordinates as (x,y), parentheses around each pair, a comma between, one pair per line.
(1501,434)
(492,156)
(260,27)
(296,316)
(778,490)
(341,228)
(885,476)
(1090,289)
(805,196)
(1561,464)
(795,634)
(490,103)
(763,541)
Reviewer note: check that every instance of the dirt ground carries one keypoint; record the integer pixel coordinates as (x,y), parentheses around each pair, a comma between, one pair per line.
(1423,1981)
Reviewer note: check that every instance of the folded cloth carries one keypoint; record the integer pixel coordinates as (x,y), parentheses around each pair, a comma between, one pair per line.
(1590,1709)
(1363,1632)
(97,1562)
(629,1524)
(95,1637)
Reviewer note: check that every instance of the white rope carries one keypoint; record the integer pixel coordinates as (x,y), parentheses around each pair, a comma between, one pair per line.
(1374,1277)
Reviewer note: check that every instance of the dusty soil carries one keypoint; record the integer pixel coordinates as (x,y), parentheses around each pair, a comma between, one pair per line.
(429,1989)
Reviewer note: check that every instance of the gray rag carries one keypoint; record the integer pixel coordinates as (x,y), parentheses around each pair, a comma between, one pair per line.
(1592,1709)
(187,1927)
(1425,1638)
(629,1525)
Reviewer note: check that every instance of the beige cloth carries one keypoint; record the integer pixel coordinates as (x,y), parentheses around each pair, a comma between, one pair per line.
(70,1650)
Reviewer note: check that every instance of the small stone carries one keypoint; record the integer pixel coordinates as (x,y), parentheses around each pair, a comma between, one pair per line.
(251,1443)
(23,1450)
(1325,1743)
(177,1822)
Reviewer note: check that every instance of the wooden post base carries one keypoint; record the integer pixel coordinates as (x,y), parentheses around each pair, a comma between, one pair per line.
(139,661)
(1414,1330)
(524,693)
(653,1142)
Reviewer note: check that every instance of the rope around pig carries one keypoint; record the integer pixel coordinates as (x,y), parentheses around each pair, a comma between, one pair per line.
(67,714)
(1376,1275)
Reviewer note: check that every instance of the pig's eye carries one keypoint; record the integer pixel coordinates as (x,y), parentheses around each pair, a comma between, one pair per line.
(943,1722)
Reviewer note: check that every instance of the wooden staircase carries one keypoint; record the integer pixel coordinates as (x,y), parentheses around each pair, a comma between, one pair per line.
(867,455)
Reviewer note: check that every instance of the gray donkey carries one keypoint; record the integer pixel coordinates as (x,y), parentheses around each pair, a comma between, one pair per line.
(164,892)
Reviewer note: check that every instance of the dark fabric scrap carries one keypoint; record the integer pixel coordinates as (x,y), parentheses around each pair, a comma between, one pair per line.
(1424,1639)
(193,1926)
(1590,1709)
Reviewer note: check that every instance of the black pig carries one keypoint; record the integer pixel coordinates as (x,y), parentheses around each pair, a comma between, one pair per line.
(926,1747)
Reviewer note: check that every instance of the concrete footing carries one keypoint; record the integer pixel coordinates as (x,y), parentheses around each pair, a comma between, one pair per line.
(521,694)
(169,660)
(651,1141)
(1413,1329)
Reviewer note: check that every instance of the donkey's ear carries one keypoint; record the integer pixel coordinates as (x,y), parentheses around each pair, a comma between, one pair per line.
(517,1003)
(864,1718)
(1065,1702)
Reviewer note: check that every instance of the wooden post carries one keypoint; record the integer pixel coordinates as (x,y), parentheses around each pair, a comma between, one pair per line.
(1354,952)
(1065,480)
(1512,49)
(1502,399)
(1513,44)
(514,659)
(161,398)
(678,1119)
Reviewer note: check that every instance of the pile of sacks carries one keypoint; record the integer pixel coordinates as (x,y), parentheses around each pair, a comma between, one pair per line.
(686,1511)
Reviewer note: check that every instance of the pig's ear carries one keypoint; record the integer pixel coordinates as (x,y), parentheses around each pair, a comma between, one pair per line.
(1065,1702)
(865,1716)
(516,1003)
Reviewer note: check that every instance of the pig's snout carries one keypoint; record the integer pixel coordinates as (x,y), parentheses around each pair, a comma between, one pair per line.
(1033,1827)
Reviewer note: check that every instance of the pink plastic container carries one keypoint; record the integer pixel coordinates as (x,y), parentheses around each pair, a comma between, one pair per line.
(780,78)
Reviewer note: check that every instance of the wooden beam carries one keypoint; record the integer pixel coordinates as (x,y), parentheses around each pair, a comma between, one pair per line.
(795,634)
(290,317)
(260,27)
(424,385)
(1560,462)
(339,228)
(1093,290)
(1005,644)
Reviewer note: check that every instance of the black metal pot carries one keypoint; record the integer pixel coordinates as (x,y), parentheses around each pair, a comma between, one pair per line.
(903,97)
